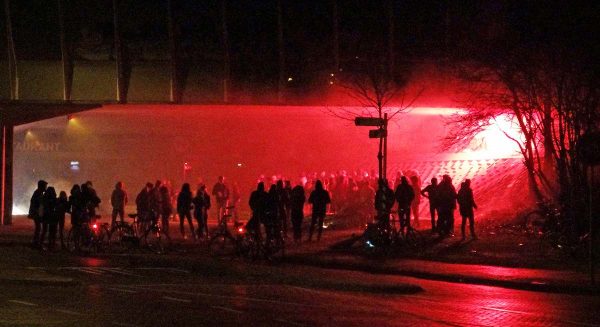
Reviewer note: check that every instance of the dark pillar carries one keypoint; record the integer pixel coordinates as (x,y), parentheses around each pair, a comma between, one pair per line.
(6,184)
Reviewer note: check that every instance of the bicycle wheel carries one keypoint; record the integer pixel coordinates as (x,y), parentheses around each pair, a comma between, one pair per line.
(222,244)
(157,241)
(102,239)
(122,239)
(72,241)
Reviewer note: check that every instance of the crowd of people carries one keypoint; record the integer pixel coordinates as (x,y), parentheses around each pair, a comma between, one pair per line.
(48,211)
(346,195)
(443,200)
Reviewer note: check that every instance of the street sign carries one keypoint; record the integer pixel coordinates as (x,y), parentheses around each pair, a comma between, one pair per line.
(377,133)
(368,121)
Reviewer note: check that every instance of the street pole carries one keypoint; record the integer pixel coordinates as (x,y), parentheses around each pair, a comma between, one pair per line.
(380,158)
(385,122)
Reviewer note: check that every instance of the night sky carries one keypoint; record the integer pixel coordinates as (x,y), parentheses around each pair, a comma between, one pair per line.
(423,30)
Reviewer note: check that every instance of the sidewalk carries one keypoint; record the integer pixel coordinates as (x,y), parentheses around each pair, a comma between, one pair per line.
(325,254)
(544,280)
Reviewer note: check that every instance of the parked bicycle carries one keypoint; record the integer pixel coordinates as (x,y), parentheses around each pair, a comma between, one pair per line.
(384,235)
(89,237)
(145,232)
(221,241)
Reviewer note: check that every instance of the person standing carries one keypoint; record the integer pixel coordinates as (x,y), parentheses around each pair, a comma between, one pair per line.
(466,204)
(221,194)
(297,199)
(49,218)
(76,207)
(258,204)
(404,196)
(282,202)
(142,202)
(446,205)
(287,205)
(166,209)
(319,198)
(201,205)
(184,205)
(415,181)
(118,200)
(430,192)
(271,219)
(62,207)
(36,211)
(91,199)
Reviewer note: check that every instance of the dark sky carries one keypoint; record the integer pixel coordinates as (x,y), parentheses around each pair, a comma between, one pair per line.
(423,29)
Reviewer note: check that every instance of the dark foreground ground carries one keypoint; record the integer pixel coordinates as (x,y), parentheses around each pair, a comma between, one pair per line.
(188,287)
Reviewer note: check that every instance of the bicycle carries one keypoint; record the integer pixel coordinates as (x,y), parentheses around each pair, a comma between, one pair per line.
(146,233)
(89,237)
(384,235)
(222,241)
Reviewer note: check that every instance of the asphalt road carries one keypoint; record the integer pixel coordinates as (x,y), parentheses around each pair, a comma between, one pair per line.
(183,291)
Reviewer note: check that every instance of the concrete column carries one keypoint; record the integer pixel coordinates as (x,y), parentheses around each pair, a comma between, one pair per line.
(6,180)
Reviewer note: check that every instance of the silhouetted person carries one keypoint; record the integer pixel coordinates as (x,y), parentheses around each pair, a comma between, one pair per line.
(404,196)
(62,207)
(118,200)
(430,192)
(156,200)
(466,204)
(297,199)
(283,201)
(446,205)
(319,198)
(201,205)
(384,201)
(166,208)
(287,188)
(91,199)
(36,211)
(414,207)
(272,218)
(221,194)
(49,218)
(142,202)
(184,205)
(76,206)
(258,205)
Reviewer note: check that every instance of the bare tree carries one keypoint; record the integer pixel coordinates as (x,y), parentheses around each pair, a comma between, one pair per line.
(551,90)
(376,90)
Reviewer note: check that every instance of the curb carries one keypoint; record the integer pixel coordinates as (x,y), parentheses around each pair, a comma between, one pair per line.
(536,286)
